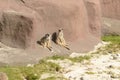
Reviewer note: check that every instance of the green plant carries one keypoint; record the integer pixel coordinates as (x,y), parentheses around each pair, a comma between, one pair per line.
(90,73)
(80,58)
(18,72)
(113,39)
(50,78)
(32,77)
(56,57)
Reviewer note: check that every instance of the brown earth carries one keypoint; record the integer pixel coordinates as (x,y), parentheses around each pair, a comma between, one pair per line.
(24,22)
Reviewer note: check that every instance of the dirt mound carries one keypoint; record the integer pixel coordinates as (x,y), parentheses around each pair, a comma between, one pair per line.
(79,19)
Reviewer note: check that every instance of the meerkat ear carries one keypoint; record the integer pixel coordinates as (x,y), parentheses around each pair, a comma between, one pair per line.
(59,30)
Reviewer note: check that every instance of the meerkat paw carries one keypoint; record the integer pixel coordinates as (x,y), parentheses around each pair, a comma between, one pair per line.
(67,48)
(52,50)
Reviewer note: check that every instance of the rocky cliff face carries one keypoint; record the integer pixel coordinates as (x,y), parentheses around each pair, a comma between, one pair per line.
(111,17)
(111,8)
(16,29)
(94,16)
(24,22)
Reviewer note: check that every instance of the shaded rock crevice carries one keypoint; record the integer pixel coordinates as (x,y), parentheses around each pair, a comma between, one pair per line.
(16,29)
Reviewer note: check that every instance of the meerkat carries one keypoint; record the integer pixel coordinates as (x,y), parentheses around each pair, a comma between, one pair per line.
(60,39)
(46,41)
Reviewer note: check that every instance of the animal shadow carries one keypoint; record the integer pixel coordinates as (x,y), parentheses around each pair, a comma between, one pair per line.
(54,37)
(38,42)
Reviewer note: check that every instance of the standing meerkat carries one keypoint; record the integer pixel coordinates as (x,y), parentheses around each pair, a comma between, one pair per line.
(46,41)
(60,39)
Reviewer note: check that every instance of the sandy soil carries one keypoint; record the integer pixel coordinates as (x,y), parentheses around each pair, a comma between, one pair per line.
(99,67)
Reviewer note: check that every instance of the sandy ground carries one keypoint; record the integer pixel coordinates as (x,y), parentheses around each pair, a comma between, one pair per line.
(104,67)
(99,67)
(15,56)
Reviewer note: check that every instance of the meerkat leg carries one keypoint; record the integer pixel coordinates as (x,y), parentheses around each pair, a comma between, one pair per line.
(45,45)
(42,45)
(49,46)
(66,47)
(63,42)
(58,41)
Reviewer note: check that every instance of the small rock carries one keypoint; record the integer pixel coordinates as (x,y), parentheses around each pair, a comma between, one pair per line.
(30,65)
(117,55)
(115,76)
(70,77)
(110,66)
(114,57)
(81,78)
(110,51)
(3,76)
(46,75)
(112,76)
(73,55)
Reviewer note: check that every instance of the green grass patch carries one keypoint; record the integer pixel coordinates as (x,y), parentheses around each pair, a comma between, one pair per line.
(55,78)
(113,47)
(80,58)
(51,78)
(30,73)
(13,73)
(56,57)
(113,39)
(75,59)
(90,73)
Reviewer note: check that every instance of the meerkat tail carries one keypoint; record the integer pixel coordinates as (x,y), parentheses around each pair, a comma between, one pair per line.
(50,48)
(67,48)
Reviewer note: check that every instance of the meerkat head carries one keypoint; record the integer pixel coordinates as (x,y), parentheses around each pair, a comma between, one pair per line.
(47,35)
(60,30)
